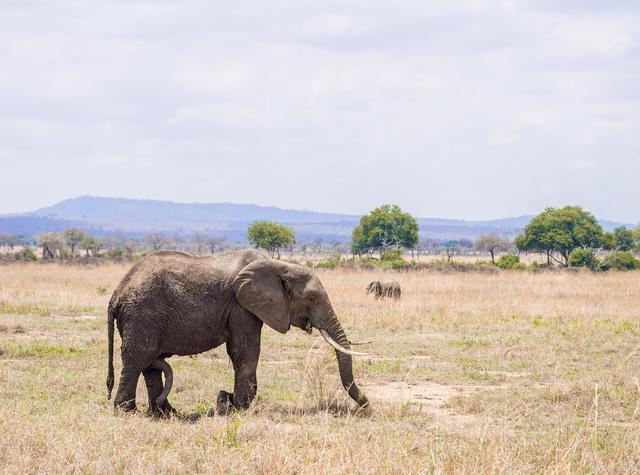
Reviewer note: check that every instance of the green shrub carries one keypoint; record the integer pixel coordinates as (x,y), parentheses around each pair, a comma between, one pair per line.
(394,259)
(27,254)
(483,263)
(510,262)
(118,252)
(620,261)
(392,255)
(583,257)
(540,265)
(331,262)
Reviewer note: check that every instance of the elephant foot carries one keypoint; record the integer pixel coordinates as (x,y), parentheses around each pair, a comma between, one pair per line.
(224,403)
(125,406)
(165,411)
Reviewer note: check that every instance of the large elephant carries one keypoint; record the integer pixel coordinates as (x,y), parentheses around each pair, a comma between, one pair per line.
(172,303)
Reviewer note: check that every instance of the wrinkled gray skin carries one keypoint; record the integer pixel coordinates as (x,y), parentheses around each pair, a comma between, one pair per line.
(172,303)
(381,290)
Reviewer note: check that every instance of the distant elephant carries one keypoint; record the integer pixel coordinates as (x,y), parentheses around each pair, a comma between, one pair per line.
(172,303)
(381,290)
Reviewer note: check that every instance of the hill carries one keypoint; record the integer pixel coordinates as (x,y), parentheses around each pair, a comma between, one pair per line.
(103,216)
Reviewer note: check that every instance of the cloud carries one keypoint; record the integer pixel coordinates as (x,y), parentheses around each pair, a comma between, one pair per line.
(464,109)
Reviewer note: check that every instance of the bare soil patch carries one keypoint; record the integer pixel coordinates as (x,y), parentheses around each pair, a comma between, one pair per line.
(433,397)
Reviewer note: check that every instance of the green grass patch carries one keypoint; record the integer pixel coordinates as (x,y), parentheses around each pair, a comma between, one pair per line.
(37,349)
(23,309)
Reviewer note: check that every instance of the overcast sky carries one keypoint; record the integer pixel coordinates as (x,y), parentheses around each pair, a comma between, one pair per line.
(460,109)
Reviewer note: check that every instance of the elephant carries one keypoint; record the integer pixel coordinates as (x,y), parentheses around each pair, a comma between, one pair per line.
(172,303)
(381,290)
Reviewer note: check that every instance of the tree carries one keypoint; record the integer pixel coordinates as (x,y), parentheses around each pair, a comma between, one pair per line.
(10,241)
(624,240)
(89,244)
(451,247)
(213,243)
(561,230)
(130,246)
(198,242)
(157,241)
(466,243)
(203,241)
(270,236)
(492,243)
(73,237)
(383,229)
(52,245)
(358,241)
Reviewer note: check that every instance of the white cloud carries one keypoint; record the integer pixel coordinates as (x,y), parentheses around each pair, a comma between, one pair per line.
(324,106)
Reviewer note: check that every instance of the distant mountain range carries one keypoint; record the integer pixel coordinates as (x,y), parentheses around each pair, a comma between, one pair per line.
(137,218)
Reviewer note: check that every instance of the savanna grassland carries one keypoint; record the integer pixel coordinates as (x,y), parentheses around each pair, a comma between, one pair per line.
(470,372)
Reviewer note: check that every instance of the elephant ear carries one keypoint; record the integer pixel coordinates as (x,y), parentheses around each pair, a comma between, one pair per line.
(259,288)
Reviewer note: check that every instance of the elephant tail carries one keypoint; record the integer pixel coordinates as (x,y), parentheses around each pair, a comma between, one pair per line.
(111,317)
(163,366)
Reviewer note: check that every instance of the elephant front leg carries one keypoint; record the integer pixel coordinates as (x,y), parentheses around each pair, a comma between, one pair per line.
(244,351)
(244,390)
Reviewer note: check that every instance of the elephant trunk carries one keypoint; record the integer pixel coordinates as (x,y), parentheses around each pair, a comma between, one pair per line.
(345,362)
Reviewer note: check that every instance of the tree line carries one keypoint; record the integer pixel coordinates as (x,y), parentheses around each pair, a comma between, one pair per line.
(566,237)
(74,243)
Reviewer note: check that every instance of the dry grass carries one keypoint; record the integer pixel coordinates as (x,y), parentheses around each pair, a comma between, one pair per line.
(512,372)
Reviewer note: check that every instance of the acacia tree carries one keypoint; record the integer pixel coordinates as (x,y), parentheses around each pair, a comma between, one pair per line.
(204,241)
(492,243)
(623,239)
(451,247)
(383,229)
(52,245)
(561,230)
(73,237)
(157,241)
(89,244)
(270,236)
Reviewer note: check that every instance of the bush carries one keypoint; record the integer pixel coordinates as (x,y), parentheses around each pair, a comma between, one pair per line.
(540,265)
(583,257)
(27,254)
(331,263)
(118,252)
(620,261)
(394,259)
(510,262)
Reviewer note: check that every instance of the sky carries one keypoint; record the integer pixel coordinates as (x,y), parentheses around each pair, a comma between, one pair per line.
(457,109)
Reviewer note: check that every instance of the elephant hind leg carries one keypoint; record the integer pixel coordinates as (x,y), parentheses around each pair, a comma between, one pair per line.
(153,379)
(126,396)
(137,354)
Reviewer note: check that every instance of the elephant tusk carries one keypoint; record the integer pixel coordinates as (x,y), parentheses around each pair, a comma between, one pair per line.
(356,343)
(339,348)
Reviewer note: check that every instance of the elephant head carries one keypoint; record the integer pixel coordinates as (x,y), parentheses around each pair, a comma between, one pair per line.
(282,295)
(374,288)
